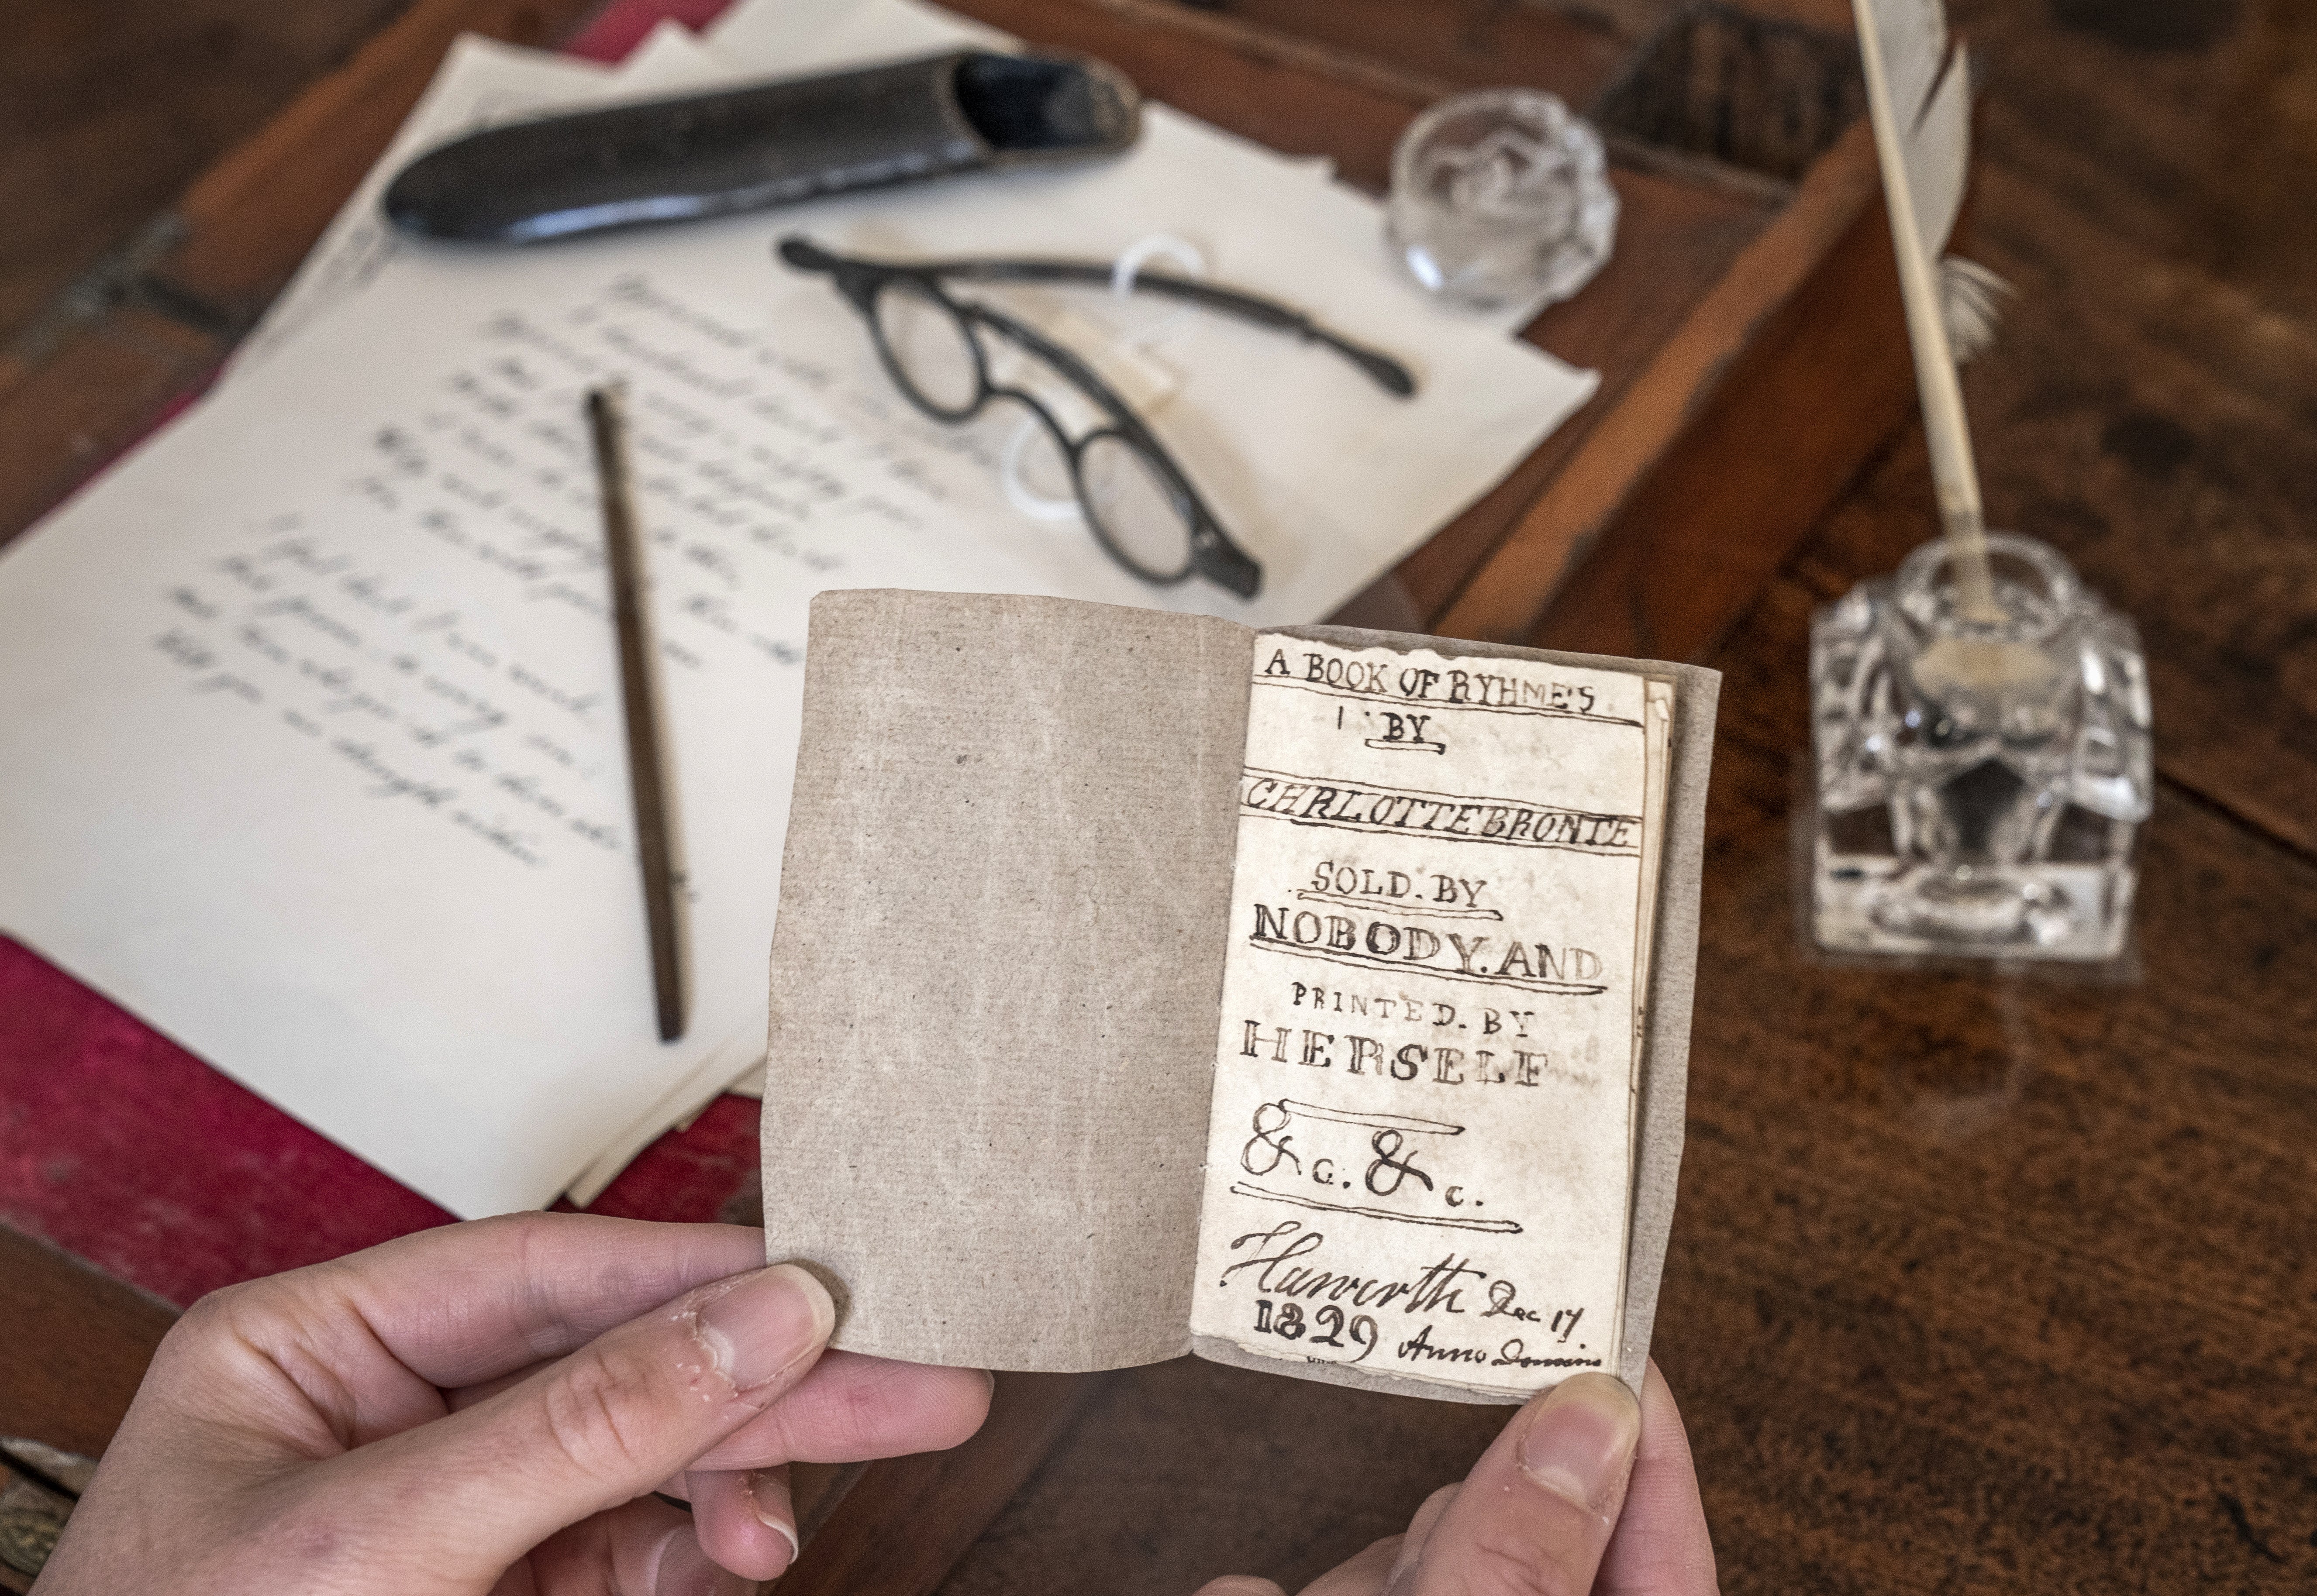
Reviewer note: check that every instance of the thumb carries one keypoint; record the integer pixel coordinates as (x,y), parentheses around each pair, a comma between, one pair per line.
(1535,1513)
(595,1429)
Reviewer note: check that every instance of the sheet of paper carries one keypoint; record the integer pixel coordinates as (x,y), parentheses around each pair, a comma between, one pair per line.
(1420,1156)
(308,708)
(996,970)
(484,83)
(309,712)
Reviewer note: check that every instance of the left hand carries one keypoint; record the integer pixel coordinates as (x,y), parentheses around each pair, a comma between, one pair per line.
(485,1410)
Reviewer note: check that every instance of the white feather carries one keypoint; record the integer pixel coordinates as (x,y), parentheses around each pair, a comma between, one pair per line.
(1919,97)
(1929,74)
(1938,154)
(1970,304)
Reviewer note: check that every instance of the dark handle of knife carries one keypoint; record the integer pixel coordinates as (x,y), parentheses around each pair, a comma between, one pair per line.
(770,144)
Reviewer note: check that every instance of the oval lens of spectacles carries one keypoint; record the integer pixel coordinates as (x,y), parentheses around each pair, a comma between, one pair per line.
(1133,508)
(927,350)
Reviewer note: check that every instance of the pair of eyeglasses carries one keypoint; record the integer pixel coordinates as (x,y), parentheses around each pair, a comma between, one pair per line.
(1138,503)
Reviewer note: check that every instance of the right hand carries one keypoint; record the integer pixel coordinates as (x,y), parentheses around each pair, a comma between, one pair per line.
(1586,1491)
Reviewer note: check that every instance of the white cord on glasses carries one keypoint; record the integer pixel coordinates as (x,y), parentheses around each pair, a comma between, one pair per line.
(1129,265)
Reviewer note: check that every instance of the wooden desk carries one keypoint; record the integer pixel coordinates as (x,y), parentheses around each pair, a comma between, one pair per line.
(1979,1280)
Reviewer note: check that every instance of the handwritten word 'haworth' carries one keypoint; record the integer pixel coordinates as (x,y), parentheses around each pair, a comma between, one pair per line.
(1438,1289)
(1406,811)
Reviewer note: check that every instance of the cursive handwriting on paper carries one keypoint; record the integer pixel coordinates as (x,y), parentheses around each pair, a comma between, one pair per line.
(440,625)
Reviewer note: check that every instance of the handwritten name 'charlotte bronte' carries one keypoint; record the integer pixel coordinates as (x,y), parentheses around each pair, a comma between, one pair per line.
(1411,812)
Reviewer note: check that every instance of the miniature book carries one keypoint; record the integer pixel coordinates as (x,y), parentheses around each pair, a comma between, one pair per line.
(1313,1000)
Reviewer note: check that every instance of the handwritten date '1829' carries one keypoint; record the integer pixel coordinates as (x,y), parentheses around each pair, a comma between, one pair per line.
(1327,1326)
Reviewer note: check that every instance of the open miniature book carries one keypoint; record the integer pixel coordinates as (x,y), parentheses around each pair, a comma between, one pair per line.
(1313,1000)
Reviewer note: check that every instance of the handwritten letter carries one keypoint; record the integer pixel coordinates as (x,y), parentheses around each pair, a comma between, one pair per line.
(1419,1145)
(342,696)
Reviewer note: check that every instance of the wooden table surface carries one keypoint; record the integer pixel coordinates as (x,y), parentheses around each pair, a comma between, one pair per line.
(1980,1281)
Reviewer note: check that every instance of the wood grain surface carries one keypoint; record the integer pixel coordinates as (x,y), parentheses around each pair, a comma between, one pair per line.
(1980,1281)
(107,111)
(95,370)
(73,1345)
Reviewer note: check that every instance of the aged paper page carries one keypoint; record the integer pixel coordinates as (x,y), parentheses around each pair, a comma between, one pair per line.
(995,972)
(1419,1157)
(309,708)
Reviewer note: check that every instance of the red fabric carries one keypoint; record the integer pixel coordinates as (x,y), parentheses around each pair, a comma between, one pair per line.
(621,26)
(118,1144)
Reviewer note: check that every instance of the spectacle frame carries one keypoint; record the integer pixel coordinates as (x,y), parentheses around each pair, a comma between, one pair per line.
(1136,500)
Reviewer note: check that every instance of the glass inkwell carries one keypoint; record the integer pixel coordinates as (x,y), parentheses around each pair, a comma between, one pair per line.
(1501,198)
(1984,762)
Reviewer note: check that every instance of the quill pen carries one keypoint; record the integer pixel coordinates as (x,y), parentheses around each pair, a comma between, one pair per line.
(1919,97)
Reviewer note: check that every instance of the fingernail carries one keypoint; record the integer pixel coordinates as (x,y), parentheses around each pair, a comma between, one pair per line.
(759,1327)
(684,1570)
(1580,1439)
(1406,1566)
(768,1493)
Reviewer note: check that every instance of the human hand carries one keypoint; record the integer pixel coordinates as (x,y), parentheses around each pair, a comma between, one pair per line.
(1584,1491)
(487,1408)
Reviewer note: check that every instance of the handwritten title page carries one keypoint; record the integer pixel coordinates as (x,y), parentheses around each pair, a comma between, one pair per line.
(1420,1156)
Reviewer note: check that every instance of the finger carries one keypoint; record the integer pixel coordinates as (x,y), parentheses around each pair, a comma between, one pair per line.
(1363,1575)
(745,1520)
(1537,1509)
(464,1304)
(368,1342)
(473,1491)
(1239,1585)
(645,1549)
(467,1396)
(685,1569)
(852,1407)
(613,1551)
(518,1581)
(1419,1534)
(1661,1546)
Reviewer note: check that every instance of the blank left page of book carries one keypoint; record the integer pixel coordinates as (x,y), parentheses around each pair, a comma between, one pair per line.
(995,972)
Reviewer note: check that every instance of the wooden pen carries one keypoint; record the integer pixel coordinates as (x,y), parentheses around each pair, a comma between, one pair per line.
(647,778)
